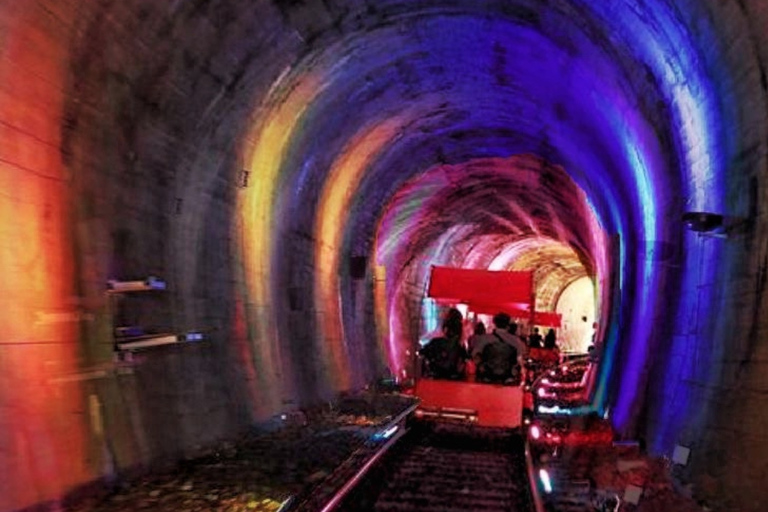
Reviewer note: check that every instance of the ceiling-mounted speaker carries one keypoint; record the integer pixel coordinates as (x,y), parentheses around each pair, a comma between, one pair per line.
(357,267)
(702,222)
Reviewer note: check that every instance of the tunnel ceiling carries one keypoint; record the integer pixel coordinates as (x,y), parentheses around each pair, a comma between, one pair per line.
(344,102)
(331,112)
(618,96)
(511,215)
(291,169)
(404,88)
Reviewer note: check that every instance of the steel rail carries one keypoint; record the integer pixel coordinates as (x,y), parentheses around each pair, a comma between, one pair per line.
(337,498)
(538,503)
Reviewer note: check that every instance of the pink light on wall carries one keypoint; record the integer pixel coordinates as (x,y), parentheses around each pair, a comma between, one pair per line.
(499,214)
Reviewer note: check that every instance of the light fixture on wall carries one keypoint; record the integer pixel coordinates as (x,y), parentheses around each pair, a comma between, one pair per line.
(150,283)
(702,222)
(242,180)
(681,454)
(714,224)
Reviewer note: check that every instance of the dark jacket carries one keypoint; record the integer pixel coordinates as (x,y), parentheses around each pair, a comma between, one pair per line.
(444,357)
(499,359)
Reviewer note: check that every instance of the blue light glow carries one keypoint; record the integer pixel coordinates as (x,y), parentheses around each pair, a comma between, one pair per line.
(386,434)
(632,143)
(429,316)
(645,285)
(669,48)
(673,52)
(545,481)
(556,409)
(155,283)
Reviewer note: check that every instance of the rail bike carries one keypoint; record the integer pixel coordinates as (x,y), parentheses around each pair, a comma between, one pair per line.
(468,399)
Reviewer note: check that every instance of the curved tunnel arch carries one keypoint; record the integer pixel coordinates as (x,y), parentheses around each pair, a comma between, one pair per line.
(486,213)
(143,118)
(408,101)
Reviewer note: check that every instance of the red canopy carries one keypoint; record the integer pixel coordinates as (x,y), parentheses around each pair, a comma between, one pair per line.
(514,309)
(468,286)
(547,319)
(489,291)
(521,311)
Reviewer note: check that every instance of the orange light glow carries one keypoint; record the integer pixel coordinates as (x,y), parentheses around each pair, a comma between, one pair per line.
(269,142)
(42,418)
(333,212)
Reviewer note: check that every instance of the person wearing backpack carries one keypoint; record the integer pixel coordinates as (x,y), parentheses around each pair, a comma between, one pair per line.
(498,354)
(499,362)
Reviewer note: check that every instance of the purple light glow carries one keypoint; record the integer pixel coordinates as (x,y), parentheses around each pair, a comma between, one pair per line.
(446,188)
(295,168)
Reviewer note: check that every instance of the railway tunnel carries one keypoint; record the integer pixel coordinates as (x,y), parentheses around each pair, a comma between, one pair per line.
(290,170)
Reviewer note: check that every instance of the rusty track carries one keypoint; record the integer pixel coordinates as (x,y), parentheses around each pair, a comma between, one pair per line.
(447,468)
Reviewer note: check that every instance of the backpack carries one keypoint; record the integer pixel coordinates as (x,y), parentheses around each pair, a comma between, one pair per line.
(444,357)
(499,359)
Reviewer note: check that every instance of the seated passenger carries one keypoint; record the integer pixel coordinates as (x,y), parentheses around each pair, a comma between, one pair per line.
(550,340)
(498,363)
(550,354)
(534,340)
(479,331)
(504,330)
(445,356)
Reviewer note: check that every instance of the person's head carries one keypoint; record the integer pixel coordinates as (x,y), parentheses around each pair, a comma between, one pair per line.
(549,339)
(535,330)
(479,328)
(501,320)
(453,325)
(512,328)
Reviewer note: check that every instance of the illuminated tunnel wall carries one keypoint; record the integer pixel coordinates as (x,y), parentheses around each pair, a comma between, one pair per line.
(490,213)
(291,169)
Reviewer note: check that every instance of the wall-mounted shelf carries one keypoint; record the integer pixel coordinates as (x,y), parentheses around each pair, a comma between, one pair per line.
(151,283)
(156,340)
(141,320)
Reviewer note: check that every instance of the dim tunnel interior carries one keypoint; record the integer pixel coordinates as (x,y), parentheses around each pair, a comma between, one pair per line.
(292,170)
(495,214)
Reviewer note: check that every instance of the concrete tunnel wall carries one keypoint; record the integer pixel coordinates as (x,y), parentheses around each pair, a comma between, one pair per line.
(244,151)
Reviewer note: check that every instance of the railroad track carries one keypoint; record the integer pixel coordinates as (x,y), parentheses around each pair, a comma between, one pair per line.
(446,468)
